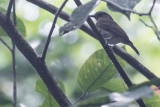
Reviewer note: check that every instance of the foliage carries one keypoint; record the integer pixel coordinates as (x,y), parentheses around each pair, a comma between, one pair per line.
(78,57)
(49,99)
(20,25)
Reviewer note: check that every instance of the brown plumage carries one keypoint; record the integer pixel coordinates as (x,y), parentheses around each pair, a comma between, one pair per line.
(111,31)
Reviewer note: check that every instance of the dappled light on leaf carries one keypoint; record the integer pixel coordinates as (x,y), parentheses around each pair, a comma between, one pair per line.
(97,70)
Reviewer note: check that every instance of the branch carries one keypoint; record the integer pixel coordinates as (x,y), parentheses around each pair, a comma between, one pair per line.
(65,16)
(110,54)
(146,24)
(154,1)
(51,31)
(14,75)
(4,43)
(14,61)
(156,28)
(134,63)
(9,8)
(35,61)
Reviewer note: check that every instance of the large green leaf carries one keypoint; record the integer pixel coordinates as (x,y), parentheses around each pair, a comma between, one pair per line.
(96,71)
(49,99)
(20,26)
(79,16)
(115,85)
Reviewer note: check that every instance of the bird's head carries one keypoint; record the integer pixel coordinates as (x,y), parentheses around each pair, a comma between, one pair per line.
(99,15)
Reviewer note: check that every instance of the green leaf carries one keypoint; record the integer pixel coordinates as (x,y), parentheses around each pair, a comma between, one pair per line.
(129,4)
(49,99)
(20,25)
(152,102)
(79,16)
(96,98)
(96,71)
(2,1)
(115,85)
(5,101)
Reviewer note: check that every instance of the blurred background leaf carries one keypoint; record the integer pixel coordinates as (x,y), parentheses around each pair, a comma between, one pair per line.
(20,25)
(49,99)
(128,4)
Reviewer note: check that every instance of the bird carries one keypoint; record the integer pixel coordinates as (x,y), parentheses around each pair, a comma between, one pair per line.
(111,31)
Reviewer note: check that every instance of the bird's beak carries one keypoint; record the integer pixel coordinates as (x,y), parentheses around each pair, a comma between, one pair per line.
(91,16)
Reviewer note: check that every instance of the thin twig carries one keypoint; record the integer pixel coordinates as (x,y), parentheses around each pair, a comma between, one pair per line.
(14,61)
(9,9)
(80,98)
(154,1)
(52,28)
(90,85)
(146,24)
(155,26)
(14,75)
(4,43)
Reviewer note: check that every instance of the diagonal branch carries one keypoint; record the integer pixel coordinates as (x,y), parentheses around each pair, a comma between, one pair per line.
(35,61)
(51,31)
(146,24)
(133,62)
(156,28)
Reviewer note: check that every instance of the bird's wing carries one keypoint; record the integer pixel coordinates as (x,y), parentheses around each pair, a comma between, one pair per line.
(114,29)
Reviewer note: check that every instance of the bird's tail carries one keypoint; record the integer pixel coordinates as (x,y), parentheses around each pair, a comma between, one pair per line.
(134,48)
